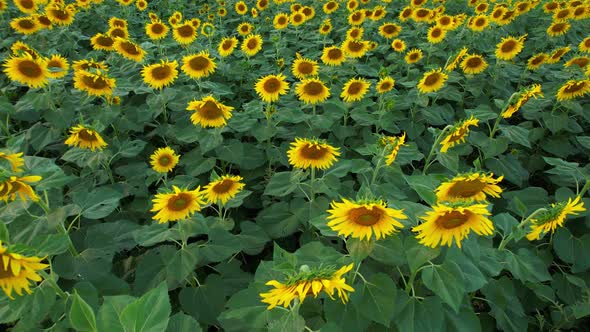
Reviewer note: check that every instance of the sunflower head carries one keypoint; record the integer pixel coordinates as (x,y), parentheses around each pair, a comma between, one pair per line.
(156,30)
(160,74)
(251,45)
(177,205)
(473,64)
(432,81)
(95,84)
(271,87)
(163,160)
(509,47)
(129,49)
(458,133)
(554,216)
(304,67)
(223,189)
(413,56)
(312,91)
(385,84)
(27,70)
(312,153)
(354,90)
(470,186)
(208,112)
(184,33)
(333,56)
(198,65)
(17,271)
(573,89)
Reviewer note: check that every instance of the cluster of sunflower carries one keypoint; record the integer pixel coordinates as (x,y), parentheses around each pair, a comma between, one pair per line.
(43,14)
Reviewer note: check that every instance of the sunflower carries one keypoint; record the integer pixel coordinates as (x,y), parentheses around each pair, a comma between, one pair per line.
(129,49)
(178,205)
(15,160)
(584,45)
(453,221)
(161,74)
(85,138)
(354,90)
(25,25)
(156,30)
(473,64)
(406,13)
(471,186)
(550,7)
(251,45)
(95,84)
(395,144)
(357,17)
(523,97)
(198,65)
(385,84)
(223,189)
(445,22)
(312,91)
(60,15)
(195,22)
(115,22)
(390,30)
(330,7)
(26,6)
(19,49)
(184,33)
(26,70)
(573,89)
(436,34)
(89,64)
(208,112)
(241,8)
(355,48)
(558,54)
(245,29)
(326,27)
(413,56)
(482,8)
(221,12)
(57,66)
(509,47)
(227,46)
(333,56)
(458,133)
(361,219)
(580,61)
(141,5)
(118,32)
(479,23)
(421,14)
(581,12)
(558,29)
(417,3)
(562,15)
(17,271)
(398,45)
(432,81)
(308,281)
(304,67)
(537,60)
(280,21)
(379,12)
(271,87)
(13,186)
(102,42)
(43,21)
(554,216)
(163,160)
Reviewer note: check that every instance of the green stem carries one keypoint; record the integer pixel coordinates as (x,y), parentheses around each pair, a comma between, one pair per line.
(584,188)
(499,118)
(53,284)
(183,236)
(433,148)
(377,167)
(505,241)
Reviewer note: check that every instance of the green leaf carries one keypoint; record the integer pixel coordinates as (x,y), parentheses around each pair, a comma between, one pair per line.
(181,322)
(447,282)
(282,219)
(131,148)
(99,203)
(205,302)
(182,264)
(281,184)
(418,254)
(572,250)
(290,322)
(526,265)
(510,167)
(81,315)
(505,305)
(149,313)
(416,316)
(375,299)
(222,245)
(424,185)
(516,134)
(109,314)
(4,235)
(389,251)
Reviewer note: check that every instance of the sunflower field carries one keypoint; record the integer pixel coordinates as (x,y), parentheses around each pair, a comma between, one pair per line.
(294,165)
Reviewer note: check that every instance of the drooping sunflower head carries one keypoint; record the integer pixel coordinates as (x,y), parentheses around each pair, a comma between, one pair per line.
(161,74)
(271,87)
(312,91)
(86,64)
(458,133)
(580,61)
(454,62)
(85,138)
(312,153)
(554,216)
(470,186)
(208,112)
(355,48)
(156,30)
(17,271)
(333,56)
(452,222)
(198,65)
(102,42)
(354,90)
(573,89)
(251,45)
(14,187)
(509,47)
(177,205)
(163,160)
(473,64)
(413,56)
(57,66)
(27,70)
(20,49)
(95,84)
(362,219)
(129,49)
(392,145)
(223,189)
(118,32)
(184,33)
(15,160)
(432,81)
(304,67)
(227,46)
(558,54)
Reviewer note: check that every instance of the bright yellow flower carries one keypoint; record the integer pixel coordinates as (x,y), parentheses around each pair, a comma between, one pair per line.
(312,91)
(180,204)
(554,216)
(163,160)
(208,112)
(198,65)
(271,87)
(395,144)
(432,81)
(85,138)
(184,33)
(223,189)
(156,30)
(251,45)
(509,47)
(533,92)
(161,74)
(573,89)
(354,90)
(129,49)
(98,84)
(15,159)
(304,67)
(13,186)
(227,46)
(311,153)
(17,271)
(473,64)
(458,134)
(471,186)
(333,56)
(385,84)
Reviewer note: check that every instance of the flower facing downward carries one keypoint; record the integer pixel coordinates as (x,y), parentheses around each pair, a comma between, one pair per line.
(471,186)
(458,133)
(311,153)
(85,138)
(163,160)
(453,222)
(13,186)
(180,204)
(14,159)
(308,282)
(363,219)
(271,87)
(224,188)
(532,92)
(554,216)
(208,112)
(129,49)
(17,271)
(395,144)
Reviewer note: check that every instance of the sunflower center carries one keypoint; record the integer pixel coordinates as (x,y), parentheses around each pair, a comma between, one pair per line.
(241,7)
(30,68)
(272,85)
(199,63)
(245,28)
(436,32)
(466,189)
(305,68)
(432,79)
(538,60)
(413,56)
(422,13)
(581,62)
(306,11)
(407,13)
(61,14)
(227,45)
(551,6)
(119,23)
(559,27)
(210,110)
(445,20)
(355,33)
(508,46)
(480,22)
(87,135)
(179,202)
(335,54)
(157,28)
(563,13)
(385,86)
(130,48)
(330,5)
(313,151)
(453,219)
(297,18)
(252,43)
(473,62)
(355,46)
(365,217)
(389,29)
(325,27)
(105,41)
(378,13)
(27,4)
(55,64)
(574,87)
(497,13)
(223,186)
(313,88)
(357,16)
(186,30)
(43,19)
(164,160)
(282,20)
(355,88)
(579,11)
(161,72)
(94,82)
(5,273)
(118,32)
(26,24)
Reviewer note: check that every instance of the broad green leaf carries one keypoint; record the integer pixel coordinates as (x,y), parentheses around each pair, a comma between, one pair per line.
(99,202)
(290,322)
(281,184)
(516,134)
(505,305)
(204,302)
(181,322)
(389,251)
(572,250)
(81,315)
(375,299)
(109,314)
(149,313)
(446,281)
(526,266)
(418,254)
